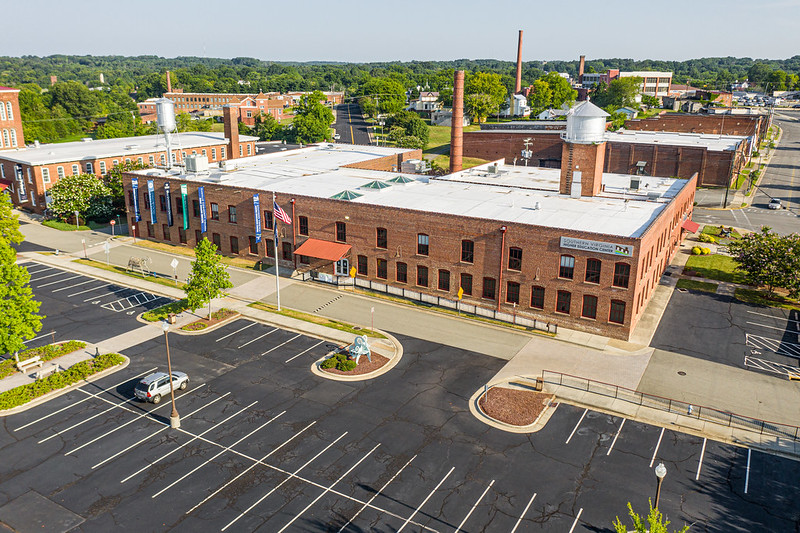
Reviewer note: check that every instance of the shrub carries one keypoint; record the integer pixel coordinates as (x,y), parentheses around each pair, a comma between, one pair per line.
(705,237)
(338,361)
(346,365)
(46,353)
(706,251)
(696,250)
(329,363)
(194,326)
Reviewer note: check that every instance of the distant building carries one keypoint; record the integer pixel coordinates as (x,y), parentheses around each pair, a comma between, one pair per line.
(427,103)
(11,135)
(653,83)
(516,106)
(444,117)
(629,112)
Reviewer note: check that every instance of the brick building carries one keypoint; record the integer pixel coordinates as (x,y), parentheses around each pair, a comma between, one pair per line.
(576,247)
(755,126)
(11,135)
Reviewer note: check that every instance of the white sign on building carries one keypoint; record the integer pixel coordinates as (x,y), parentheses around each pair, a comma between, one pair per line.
(610,248)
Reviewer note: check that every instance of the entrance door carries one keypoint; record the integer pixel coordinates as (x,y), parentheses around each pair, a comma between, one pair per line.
(342,267)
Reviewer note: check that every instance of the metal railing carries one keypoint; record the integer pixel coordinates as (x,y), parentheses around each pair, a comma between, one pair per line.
(671,405)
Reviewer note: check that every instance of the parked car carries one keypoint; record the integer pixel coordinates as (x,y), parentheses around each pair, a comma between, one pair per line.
(775,203)
(796,106)
(156,385)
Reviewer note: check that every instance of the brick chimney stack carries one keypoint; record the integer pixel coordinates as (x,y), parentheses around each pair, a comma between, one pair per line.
(457,125)
(581,67)
(518,85)
(230,116)
(169,83)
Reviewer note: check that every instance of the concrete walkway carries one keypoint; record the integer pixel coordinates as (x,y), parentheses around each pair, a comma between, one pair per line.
(19,379)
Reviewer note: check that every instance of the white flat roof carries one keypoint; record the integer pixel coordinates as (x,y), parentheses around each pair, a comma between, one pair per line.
(46,154)
(710,141)
(525,195)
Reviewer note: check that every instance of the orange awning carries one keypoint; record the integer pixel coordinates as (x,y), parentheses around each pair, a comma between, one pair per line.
(690,226)
(332,251)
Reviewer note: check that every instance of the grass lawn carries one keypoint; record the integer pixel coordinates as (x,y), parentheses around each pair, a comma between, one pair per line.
(218,127)
(719,267)
(189,252)
(122,270)
(467,162)
(440,136)
(66,226)
(714,230)
(694,285)
(752,296)
(314,319)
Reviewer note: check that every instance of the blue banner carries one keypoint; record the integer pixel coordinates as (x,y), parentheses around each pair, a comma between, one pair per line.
(202,193)
(185,205)
(151,192)
(169,203)
(257,212)
(135,187)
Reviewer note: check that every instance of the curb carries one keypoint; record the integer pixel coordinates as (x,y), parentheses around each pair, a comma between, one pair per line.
(398,354)
(56,393)
(533,427)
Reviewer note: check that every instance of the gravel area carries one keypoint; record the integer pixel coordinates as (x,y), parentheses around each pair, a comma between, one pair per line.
(513,406)
(364,366)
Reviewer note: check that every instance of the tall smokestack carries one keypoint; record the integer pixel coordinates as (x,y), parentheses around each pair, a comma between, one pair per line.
(169,83)
(518,86)
(231,122)
(581,67)
(457,125)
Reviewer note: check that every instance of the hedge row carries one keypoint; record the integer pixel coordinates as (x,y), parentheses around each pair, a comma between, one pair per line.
(46,353)
(77,372)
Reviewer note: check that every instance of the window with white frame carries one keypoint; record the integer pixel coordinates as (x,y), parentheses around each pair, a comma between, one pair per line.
(76,170)
(2,112)
(45,175)
(9,111)
(89,168)
(60,172)
(115,162)
(140,160)
(213,154)
(13,136)
(6,141)
(152,160)
(102,167)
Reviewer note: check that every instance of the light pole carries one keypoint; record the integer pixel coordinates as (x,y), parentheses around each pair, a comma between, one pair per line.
(661,471)
(174,418)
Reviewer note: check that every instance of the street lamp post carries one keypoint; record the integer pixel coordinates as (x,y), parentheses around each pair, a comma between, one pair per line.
(661,471)
(174,418)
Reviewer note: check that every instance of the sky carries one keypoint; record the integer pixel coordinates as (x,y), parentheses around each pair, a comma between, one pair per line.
(406,30)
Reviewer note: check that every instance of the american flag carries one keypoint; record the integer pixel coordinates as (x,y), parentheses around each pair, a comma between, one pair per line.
(280,214)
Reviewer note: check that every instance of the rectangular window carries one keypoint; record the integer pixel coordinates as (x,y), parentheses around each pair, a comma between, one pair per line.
(196,208)
(563,302)
(444,280)
(217,240)
(617,312)
(76,170)
(268,219)
(537,297)
(466,284)
(151,232)
(512,292)
(270,249)
(102,167)
(467,251)
(383,269)
(89,168)
(402,272)
(341,232)
(45,175)
(198,236)
(152,160)
(362,265)
(60,172)
(302,225)
(232,214)
(515,258)
(489,285)
(249,149)
(182,235)
(589,309)
(203,151)
(234,245)
(165,228)
(222,152)
(162,202)
(422,276)
(286,251)
(622,273)
(422,244)
(213,154)
(114,163)
(253,245)
(593,270)
(567,267)
(381,238)
(146,200)
(240,151)
(178,206)
(304,259)
(214,211)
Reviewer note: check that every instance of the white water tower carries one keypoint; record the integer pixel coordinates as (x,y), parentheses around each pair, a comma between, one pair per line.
(165,121)
(586,124)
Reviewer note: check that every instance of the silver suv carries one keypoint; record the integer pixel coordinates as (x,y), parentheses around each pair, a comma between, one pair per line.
(155,386)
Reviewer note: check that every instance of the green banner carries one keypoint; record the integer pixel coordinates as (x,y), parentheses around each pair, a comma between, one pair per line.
(185,202)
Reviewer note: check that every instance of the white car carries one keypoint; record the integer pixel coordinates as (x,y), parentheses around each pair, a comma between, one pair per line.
(156,385)
(775,203)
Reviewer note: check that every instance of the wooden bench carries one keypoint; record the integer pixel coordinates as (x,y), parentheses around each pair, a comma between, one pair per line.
(44,372)
(26,365)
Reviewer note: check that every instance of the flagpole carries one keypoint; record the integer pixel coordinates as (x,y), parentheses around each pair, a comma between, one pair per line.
(277,277)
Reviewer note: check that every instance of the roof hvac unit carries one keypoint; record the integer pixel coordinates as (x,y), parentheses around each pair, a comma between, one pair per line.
(196,163)
(635,184)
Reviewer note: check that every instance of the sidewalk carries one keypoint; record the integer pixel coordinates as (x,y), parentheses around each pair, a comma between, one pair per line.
(19,379)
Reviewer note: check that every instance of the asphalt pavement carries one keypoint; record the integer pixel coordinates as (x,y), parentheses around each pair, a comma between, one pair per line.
(350,125)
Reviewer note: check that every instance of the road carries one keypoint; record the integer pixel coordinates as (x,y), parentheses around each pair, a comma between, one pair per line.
(350,125)
(781,180)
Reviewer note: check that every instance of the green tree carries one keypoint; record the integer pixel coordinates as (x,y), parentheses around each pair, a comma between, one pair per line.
(654,523)
(113,181)
(412,125)
(561,90)
(541,98)
(208,277)
(769,259)
(650,100)
(312,121)
(484,93)
(76,193)
(19,318)
(389,93)
(266,127)
(621,92)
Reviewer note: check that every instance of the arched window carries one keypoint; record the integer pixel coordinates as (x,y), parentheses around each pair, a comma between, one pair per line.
(13,137)
(6,142)
(2,112)
(9,111)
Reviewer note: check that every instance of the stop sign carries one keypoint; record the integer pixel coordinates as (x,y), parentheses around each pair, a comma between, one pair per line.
(113,222)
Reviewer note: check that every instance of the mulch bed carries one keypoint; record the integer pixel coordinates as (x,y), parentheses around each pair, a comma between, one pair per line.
(364,366)
(216,317)
(513,406)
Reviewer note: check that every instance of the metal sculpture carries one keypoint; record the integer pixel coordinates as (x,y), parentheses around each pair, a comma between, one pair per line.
(359,348)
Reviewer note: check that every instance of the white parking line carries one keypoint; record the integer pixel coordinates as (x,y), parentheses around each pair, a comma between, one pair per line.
(523,513)
(575,523)
(59,273)
(652,459)
(281,344)
(773,316)
(237,413)
(164,428)
(747,475)
(141,415)
(109,294)
(73,426)
(700,463)
(328,489)
(250,325)
(76,285)
(428,497)
(615,438)
(195,469)
(54,282)
(774,345)
(473,507)
(73,404)
(376,494)
(279,485)
(104,285)
(304,351)
(576,426)
(785,328)
(240,474)
(260,337)
(45,269)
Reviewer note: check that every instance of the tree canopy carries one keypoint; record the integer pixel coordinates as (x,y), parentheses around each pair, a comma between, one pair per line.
(769,259)
(312,121)
(484,93)
(208,277)
(75,193)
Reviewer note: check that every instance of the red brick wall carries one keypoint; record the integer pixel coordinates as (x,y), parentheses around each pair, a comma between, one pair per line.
(690,123)
(491,146)
(14,123)
(389,163)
